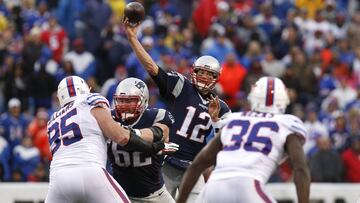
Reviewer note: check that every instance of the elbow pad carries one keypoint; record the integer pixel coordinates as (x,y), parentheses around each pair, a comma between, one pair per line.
(157,133)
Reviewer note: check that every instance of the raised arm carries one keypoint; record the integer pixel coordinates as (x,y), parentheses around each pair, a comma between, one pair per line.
(205,159)
(145,59)
(298,162)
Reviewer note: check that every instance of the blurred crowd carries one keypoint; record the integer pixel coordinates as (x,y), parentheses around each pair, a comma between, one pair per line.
(312,45)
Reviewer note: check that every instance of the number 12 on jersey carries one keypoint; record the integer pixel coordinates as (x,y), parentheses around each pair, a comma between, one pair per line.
(254,138)
(203,121)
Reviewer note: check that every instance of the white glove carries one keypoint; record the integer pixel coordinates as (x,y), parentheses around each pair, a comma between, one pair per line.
(169,148)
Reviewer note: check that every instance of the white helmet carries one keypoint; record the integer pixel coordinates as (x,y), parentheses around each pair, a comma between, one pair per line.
(131,99)
(269,95)
(71,87)
(210,64)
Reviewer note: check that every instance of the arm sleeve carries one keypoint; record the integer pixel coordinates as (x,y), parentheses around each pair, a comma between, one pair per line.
(170,84)
(137,144)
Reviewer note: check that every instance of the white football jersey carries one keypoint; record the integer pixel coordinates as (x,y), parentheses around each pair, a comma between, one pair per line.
(253,144)
(75,136)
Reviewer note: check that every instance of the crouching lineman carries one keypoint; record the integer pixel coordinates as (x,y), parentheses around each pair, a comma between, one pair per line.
(140,174)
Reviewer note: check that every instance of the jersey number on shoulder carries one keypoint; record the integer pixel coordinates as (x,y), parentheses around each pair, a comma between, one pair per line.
(255,141)
(124,158)
(194,133)
(60,133)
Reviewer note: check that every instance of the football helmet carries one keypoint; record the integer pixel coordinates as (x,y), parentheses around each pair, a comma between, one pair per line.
(131,99)
(269,95)
(202,82)
(71,87)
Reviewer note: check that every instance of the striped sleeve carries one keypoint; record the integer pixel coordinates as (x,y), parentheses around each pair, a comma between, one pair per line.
(96,100)
(178,86)
(170,84)
(164,117)
(294,124)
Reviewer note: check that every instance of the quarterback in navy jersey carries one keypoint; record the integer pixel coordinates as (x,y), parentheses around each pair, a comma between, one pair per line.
(188,101)
(140,174)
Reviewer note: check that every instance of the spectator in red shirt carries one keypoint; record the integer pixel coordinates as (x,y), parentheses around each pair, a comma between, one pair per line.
(231,78)
(202,16)
(38,131)
(55,38)
(351,159)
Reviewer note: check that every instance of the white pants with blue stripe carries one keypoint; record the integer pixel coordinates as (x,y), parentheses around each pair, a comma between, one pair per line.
(84,184)
(234,190)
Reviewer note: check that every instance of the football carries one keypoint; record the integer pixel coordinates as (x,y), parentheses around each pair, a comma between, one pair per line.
(134,12)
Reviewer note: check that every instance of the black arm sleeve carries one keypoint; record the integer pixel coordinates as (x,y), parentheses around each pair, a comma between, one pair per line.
(161,81)
(157,133)
(137,144)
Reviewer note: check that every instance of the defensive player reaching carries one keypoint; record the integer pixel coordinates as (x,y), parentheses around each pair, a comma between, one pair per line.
(77,141)
(140,174)
(188,102)
(249,148)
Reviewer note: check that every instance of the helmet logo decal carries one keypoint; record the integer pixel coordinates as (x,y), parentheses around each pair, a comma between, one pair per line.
(140,85)
(70,85)
(269,100)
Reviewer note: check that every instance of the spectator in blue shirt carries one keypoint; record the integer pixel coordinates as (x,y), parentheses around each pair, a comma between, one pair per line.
(5,171)
(133,65)
(220,49)
(68,12)
(354,104)
(94,17)
(109,87)
(13,123)
(26,157)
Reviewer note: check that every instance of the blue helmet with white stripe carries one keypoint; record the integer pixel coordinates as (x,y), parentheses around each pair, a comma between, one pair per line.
(71,87)
(269,95)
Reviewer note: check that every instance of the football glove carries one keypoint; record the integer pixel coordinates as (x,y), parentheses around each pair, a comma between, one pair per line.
(169,148)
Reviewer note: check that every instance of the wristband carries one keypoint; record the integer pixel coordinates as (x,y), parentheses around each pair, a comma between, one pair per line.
(218,124)
(137,132)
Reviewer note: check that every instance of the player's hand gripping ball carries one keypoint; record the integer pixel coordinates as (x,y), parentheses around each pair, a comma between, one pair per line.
(134,13)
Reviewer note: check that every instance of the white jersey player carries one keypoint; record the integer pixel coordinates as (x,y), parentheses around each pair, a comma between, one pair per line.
(250,147)
(76,135)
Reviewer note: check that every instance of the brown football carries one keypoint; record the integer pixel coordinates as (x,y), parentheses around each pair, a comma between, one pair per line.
(135,12)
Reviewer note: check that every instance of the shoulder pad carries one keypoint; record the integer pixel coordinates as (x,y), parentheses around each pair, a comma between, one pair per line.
(97,100)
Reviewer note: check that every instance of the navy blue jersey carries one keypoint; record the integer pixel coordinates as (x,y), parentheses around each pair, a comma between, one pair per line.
(140,174)
(190,110)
